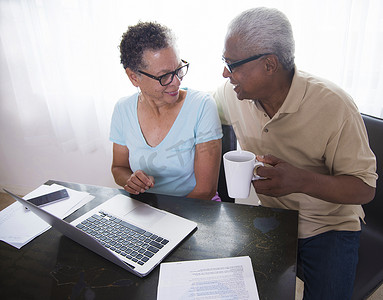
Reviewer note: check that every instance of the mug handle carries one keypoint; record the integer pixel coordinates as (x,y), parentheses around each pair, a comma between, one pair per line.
(256,165)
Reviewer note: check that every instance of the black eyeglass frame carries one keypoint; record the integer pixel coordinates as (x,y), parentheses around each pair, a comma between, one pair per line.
(230,67)
(173,73)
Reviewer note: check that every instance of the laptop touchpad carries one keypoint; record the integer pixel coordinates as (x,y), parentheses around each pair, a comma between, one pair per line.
(144,215)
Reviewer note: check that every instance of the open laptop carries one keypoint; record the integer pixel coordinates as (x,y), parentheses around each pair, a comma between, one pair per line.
(133,235)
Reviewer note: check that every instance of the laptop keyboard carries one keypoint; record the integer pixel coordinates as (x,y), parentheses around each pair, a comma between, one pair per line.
(123,238)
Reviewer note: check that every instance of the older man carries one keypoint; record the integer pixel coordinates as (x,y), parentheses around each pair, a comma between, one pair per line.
(312,139)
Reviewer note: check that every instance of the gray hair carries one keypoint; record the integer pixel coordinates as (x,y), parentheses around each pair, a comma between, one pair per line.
(266,30)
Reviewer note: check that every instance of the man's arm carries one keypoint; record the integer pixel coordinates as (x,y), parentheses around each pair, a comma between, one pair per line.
(283,179)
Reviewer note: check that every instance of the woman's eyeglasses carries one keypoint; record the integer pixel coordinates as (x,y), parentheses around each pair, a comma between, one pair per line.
(167,78)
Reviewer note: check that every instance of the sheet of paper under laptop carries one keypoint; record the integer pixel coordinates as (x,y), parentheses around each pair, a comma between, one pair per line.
(19,226)
(131,234)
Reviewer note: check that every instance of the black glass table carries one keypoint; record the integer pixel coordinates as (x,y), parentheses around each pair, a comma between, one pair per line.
(54,267)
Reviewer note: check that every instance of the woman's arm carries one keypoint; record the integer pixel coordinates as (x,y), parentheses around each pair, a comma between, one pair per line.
(135,183)
(207,161)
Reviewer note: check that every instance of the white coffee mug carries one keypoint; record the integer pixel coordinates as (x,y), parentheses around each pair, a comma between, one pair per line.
(239,171)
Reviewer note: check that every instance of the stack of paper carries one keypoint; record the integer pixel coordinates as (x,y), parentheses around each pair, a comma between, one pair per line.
(19,226)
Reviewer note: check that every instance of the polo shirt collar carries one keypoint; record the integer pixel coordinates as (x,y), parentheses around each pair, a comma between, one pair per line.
(294,97)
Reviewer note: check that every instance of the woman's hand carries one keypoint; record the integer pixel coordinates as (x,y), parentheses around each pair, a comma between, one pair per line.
(139,182)
(133,182)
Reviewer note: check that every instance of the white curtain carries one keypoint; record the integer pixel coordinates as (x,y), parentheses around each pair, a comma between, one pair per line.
(61,76)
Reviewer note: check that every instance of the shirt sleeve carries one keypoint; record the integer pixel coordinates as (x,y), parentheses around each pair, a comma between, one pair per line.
(348,152)
(208,126)
(116,127)
(220,99)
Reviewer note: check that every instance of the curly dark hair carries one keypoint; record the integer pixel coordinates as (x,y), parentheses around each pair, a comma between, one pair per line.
(141,37)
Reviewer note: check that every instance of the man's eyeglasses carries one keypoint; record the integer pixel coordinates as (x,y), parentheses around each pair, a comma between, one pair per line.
(230,67)
(167,78)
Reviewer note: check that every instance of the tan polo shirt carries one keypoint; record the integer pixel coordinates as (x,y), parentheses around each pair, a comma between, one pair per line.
(318,128)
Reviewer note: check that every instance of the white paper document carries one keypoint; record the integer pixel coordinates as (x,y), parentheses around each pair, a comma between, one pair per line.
(19,226)
(223,278)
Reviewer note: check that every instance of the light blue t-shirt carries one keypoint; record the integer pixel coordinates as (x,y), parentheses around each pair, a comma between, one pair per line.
(171,163)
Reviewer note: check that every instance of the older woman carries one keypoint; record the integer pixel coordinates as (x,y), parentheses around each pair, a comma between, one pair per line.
(166,140)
